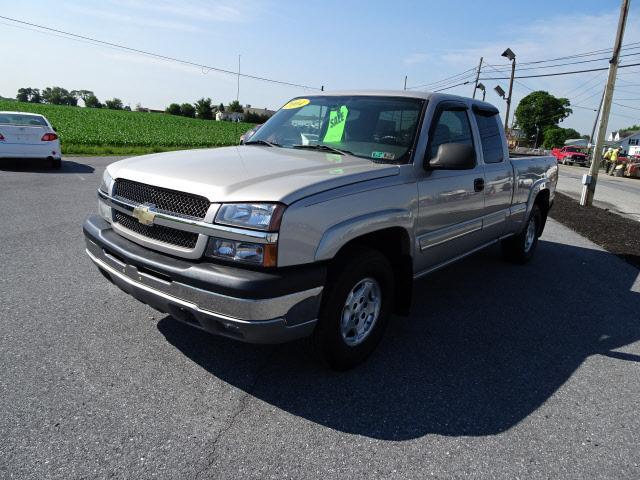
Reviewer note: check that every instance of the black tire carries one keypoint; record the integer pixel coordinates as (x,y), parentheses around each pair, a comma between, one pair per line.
(328,341)
(56,163)
(520,249)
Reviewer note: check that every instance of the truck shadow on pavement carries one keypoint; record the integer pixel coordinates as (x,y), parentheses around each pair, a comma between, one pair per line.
(487,344)
(43,166)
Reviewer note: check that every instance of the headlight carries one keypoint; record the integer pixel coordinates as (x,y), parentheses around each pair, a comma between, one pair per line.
(259,216)
(238,251)
(106,181)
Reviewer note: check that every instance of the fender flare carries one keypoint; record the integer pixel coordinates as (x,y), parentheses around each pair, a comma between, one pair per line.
(341,233)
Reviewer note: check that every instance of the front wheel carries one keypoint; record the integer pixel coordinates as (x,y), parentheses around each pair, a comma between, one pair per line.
(520,248)
(355,309)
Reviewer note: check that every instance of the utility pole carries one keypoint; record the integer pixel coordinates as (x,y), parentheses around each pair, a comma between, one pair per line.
(238,92)
(475,85)
(405,82)
(589,181)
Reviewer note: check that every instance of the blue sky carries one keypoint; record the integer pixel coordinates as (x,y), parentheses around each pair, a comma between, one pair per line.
(339,44)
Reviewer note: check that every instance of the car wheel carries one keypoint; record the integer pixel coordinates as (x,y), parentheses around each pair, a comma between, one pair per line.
(520,248)
(355,310)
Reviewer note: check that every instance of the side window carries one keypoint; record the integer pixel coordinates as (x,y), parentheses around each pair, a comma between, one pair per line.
(490,138)
(452,126)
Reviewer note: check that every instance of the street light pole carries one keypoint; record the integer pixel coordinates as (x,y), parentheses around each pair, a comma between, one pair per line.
(511,56)
(589,181)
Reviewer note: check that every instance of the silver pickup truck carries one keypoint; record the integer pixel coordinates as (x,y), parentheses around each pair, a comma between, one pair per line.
(319,224)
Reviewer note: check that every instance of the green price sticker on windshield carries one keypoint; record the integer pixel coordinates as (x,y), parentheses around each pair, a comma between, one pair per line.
(337,121)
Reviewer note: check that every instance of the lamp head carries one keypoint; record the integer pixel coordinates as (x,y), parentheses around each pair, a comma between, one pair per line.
(509,54)
(499,91)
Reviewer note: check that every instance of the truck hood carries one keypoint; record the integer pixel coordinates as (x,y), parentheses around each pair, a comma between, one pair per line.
(250,173)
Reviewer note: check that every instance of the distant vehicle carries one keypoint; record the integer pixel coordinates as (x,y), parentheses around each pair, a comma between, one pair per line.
(248,134)
(28,135)
(570,156)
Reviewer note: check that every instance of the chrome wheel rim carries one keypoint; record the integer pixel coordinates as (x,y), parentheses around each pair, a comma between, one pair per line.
(361,311)
(531,235)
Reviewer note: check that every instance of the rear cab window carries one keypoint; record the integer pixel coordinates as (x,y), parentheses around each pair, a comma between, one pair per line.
(490,136)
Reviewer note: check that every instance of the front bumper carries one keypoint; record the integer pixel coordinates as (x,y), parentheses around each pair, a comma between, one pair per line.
(247,305)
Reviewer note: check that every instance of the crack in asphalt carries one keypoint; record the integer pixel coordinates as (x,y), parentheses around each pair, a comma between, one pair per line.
(242,405)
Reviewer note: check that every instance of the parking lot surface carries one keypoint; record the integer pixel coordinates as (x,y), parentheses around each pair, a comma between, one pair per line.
(501,371)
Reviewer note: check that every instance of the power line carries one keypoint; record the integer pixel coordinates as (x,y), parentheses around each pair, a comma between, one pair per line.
(452,78)
(625,106)
(561,73)
(156,55)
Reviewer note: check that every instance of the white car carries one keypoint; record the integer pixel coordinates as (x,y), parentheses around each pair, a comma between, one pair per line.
(28,135)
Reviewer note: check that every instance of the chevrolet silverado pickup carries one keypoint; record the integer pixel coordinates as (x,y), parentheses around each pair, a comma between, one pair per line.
(319,224)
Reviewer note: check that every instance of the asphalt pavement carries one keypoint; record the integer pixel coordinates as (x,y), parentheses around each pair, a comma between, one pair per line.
(618,194)
(501,371)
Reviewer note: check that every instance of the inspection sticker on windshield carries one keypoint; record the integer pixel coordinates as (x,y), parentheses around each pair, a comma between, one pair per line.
(383,155)
(297,103)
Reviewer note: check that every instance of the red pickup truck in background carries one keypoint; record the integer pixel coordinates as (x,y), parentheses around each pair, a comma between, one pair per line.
(570,156)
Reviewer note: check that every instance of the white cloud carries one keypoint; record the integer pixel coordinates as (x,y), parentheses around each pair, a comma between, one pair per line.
(220,11)
(415,58)
(140,21)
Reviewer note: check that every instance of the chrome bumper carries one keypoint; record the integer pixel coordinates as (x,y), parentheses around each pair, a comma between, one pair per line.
(256,320)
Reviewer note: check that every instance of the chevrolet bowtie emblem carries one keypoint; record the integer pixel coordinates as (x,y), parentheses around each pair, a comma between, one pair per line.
(145,214)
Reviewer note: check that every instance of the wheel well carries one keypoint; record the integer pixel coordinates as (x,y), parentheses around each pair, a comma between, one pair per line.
(543,202)
(394,244)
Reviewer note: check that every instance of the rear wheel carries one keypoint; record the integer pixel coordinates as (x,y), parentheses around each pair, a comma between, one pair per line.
(520,248)
(355,309)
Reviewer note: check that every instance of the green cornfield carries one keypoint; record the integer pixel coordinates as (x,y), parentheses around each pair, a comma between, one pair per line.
(91,130)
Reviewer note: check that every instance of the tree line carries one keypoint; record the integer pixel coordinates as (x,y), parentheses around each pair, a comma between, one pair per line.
(62,96)
(202,108)
(205,109)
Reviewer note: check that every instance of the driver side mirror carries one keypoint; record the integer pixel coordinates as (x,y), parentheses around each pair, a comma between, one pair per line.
(453,156)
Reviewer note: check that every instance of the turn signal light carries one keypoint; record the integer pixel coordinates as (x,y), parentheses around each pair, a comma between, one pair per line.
(49,137)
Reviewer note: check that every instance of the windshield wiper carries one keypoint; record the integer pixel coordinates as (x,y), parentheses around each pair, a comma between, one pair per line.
(262,142)
(324,147)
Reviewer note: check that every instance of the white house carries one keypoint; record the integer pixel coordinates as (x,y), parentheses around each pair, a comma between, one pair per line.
(230,116)
(630,144)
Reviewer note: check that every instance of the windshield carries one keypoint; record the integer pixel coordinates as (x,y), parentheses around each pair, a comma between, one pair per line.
(573,149)
(373,127)
(17,119)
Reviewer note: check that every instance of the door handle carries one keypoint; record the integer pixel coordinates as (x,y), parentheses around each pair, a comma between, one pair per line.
(478,184)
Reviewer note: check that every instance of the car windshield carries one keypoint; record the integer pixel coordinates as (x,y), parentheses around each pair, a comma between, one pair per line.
(374,127)
(573,149)
(22,120)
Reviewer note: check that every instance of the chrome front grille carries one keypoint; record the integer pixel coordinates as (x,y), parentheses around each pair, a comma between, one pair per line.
(158,233)
(164,199)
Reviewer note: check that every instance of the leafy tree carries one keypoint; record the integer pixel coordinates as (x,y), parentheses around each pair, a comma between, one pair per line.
(204,110)
(221,107)
(114,104)
(23,94)
(187,110)
(540,110)
(35,96)
(91,101)
(127,108)
(235,107)
(59,96)
(29,94)
(173,109)
(556,136)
